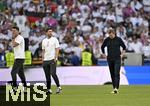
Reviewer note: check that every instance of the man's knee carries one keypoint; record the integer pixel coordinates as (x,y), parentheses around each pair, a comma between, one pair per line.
(13,73)
(53,74)
(117,75)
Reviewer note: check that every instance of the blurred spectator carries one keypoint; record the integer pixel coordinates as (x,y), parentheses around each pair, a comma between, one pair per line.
(1,48)
(74,59)
(97,48)
(119,13)
(121,31)
(17,4)
(128,11)
(33,43)
(26,33)
(146,50)
(146,4)
(136,45)
(129,30)
(31,7)
(136,5)
(2,5)
(20,20)
(88,57)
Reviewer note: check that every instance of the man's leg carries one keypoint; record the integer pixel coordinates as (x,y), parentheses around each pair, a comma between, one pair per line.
(21,73)
(55,77)
(112,74)
(14,72)
(117,73)
(46,67)
(53,73)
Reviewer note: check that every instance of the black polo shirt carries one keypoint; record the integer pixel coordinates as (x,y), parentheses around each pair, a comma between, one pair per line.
(113,47)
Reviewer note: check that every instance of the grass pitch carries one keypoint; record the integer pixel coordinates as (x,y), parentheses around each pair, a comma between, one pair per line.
(100,96)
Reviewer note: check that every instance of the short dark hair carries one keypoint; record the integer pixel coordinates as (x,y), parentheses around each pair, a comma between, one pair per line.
(111,30)
(49,28)
(15,27)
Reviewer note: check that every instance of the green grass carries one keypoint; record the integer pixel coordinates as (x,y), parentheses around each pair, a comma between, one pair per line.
(100,96)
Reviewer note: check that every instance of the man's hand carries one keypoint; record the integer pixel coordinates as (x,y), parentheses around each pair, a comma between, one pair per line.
(104,56)
(13,42)
(121,56)
(55,59)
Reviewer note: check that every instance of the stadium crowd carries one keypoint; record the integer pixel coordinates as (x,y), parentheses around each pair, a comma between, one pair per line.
(78,24)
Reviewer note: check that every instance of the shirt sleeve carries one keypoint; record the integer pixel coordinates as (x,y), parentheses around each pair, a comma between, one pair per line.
(122,44)
(19,40)
(57,43)
(104,45)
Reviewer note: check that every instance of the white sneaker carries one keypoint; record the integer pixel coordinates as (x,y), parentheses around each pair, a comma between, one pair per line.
(115,91)
(112,92)
(49,91)
(59,89)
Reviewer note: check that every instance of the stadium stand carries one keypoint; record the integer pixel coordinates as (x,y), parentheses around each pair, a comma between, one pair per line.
(77,24)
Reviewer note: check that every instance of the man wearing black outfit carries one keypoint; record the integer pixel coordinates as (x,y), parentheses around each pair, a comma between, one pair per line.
(113,44)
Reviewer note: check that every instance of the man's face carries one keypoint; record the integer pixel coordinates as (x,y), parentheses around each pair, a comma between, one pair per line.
(49,33)
(111,35)
(15,32)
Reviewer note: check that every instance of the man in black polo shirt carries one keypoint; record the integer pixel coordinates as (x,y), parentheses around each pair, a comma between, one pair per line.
(113,44)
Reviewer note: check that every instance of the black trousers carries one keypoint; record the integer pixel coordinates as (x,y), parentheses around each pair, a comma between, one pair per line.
(114,67)
(18,69)
(26,43)
(50,70)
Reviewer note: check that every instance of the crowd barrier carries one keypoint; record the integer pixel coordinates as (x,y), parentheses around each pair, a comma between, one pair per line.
(92,75)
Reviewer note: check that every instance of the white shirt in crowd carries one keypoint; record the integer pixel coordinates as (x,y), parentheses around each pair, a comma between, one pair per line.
(49,45)
(25,32)
(77,51)
(25,4)
(136,6)
(34,40)
(19,50)
(111,16)
(61,9)
(146,50)
(17,5)
(4,36)
(20,20)
(137,47)
(1,46)
(99,24)
(136,20)
(96,14)
(146,4)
